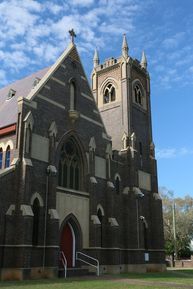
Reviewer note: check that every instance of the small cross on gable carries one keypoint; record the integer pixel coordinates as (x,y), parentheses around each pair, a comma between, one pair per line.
(72,34)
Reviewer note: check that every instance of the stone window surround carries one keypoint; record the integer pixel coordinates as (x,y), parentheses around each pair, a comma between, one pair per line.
(143,103)
(109,93)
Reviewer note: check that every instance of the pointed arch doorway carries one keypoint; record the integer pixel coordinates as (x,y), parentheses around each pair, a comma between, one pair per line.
(67,244)
(70,240)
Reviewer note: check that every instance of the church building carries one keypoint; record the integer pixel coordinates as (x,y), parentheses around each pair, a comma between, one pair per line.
(78,176)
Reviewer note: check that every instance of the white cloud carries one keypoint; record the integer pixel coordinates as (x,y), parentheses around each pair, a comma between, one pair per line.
(55,8)
(17,23)
(14,60)
(168,153)
(31,5)
(82,2)
(173,41)
(38,30)
(3,78)
(191,69)
(109,28)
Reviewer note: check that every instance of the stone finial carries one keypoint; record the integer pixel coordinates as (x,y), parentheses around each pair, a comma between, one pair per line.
(125,47)
(96,59)
(143,60)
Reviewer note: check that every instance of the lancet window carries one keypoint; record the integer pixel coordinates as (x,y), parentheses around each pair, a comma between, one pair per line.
(36,219)
(7,157)
(72,95)
(1,158)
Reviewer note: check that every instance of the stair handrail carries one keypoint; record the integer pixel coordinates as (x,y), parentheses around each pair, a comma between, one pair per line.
(86,262)
(64,262)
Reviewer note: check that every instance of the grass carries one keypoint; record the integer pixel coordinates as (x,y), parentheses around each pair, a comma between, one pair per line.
(123,281)
(182,276)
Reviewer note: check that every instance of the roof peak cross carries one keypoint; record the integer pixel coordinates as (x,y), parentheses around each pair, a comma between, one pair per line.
(72,34)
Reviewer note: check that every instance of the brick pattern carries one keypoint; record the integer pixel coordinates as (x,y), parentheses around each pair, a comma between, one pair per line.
(119,244)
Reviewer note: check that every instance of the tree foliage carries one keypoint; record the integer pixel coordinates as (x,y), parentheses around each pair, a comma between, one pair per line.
(178,216)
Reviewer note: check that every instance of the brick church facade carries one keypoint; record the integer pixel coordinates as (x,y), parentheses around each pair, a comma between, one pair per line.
(78,169)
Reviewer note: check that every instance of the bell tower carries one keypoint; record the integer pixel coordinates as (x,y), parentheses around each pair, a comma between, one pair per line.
(121,88)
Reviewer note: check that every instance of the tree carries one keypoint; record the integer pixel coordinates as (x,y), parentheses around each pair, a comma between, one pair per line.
(178,223)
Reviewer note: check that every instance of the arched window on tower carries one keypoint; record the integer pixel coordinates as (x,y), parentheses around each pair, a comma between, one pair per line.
(70,166)
(109,93)
(138,95)
(7,157)
(72,95)
(36,219)
(1,158)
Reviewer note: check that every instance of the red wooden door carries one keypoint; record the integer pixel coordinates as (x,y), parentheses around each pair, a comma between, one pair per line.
(66,244)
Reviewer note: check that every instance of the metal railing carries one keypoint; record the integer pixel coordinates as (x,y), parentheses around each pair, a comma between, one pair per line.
(64,262)
(78,257)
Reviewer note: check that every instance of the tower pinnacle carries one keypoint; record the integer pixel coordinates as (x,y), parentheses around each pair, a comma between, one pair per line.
(96,59)
(125,47)
(143,60)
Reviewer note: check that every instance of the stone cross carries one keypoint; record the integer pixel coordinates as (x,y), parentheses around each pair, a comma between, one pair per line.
(72,35)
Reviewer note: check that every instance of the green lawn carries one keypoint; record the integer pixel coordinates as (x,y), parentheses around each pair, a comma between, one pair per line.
(123,281)
(183,276)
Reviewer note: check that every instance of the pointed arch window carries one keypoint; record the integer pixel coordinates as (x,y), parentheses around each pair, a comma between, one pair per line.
(1,158)
(28,139)
(70,166)
(72,95)
(109,94)
(117,183)
(36,219)
(7,157)
(100,217)
(138,95)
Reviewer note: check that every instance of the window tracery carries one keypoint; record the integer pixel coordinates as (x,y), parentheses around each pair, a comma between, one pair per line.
(109,94)
(138,95)
(69,166)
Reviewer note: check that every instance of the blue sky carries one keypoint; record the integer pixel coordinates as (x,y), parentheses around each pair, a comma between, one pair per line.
(34,33)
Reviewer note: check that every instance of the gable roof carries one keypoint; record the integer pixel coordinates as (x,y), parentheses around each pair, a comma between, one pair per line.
(9,107)
(24,88)
(71,48)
